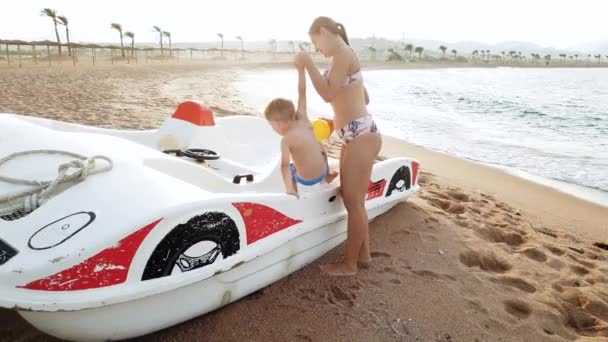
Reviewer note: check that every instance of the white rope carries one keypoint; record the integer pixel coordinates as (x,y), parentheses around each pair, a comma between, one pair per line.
(29,200)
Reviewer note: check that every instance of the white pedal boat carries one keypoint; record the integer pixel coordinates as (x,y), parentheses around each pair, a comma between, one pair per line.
(160,239)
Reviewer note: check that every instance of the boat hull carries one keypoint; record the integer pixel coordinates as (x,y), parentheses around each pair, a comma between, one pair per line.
(159,311)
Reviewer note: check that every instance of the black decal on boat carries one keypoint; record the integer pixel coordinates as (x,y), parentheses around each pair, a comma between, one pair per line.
(400,181)
(6,252)
(216,229)
(59,231)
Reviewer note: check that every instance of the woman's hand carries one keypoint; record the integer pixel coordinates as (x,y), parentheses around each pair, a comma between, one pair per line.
(301,59)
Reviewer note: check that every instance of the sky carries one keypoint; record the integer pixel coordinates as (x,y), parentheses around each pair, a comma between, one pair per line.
(556,23)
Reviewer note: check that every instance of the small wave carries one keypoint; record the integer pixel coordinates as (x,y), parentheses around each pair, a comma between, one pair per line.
(533,112)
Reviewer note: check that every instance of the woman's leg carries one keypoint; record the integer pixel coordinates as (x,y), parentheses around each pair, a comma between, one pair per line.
(356,168)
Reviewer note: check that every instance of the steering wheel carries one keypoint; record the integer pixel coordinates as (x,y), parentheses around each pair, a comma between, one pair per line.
(199,154)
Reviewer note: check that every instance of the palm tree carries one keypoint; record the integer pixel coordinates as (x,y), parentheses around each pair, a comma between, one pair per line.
(503,54)
(394,56)
(132,36)
(372,51)
(576,58)
(547,59)
(47,12)
(419,50)
(563,57)
(488,54)
(160,33)
(599,59)
(273,46)
(409,48)
(483,54)
(242,49)
(168,35)
(443,49)
(118,28)
(221,36)
(64,21)
(293,46)
(455,53)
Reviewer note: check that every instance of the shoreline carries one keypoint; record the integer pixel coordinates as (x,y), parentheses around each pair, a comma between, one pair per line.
(476,176)
(588,194)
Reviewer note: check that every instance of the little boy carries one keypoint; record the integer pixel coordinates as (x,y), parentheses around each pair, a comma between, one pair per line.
(299,143)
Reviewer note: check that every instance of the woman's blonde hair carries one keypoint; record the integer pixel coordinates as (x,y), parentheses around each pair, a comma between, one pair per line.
(330,25)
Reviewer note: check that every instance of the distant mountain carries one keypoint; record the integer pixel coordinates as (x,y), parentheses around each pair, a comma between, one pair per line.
(593,47)
(431,47)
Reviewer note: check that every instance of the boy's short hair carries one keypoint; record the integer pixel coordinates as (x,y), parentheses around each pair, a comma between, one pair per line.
(280,109)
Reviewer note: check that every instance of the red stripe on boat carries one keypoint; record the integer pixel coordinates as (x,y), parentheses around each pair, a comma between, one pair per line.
(106,268)
(262,221)
(375,189)
(415,167)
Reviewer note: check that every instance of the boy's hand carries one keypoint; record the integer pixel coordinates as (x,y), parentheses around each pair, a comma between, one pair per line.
(302,58)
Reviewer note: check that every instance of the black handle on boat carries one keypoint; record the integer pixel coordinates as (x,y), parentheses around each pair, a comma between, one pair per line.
(237,178)
(178,153)
(201,154)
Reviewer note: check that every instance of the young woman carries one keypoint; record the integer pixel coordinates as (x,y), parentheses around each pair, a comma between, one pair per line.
(342,86)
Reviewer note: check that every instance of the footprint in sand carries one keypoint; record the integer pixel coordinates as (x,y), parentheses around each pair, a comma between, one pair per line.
(518,308)
(584,313)
(431,219)
(475,210)
(559,286)
(488,197)
(577,250)
(546,231)
(515,282)
(447,206)
(310,295)
(439,194)
(500,236)
(555,264)
(601,245)
(432,275)
(462,223)
(592,256)
(485,260)
(582,262)
(581,271)
(337,295)
(303,337)
(459,196)
(390,270)
(534,254)
(379,255)
(555,250)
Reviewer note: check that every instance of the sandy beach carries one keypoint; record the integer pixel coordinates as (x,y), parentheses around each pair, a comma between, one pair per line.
(476,255)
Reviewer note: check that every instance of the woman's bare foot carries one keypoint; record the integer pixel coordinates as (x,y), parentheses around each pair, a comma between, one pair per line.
(364,263)
(331,175)
(339,269)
